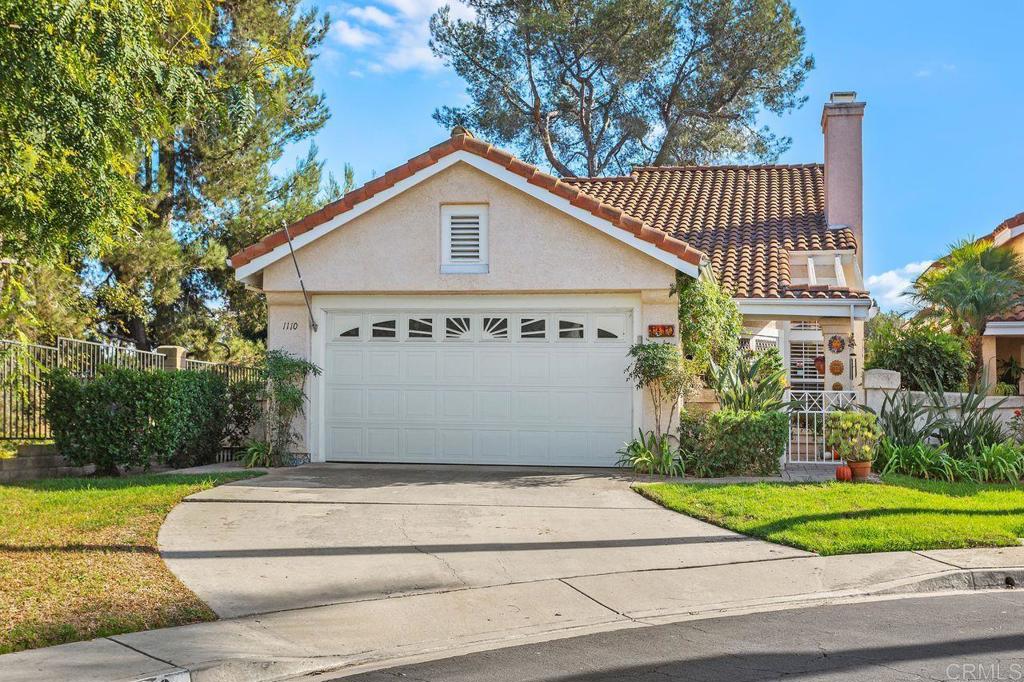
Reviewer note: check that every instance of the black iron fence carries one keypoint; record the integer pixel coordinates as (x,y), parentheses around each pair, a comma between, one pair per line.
(25,366)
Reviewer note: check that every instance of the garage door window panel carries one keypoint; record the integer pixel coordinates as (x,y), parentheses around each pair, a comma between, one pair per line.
(420,329)
(533,328)
(458,328)
(571,328)
(384,328)
(494,329)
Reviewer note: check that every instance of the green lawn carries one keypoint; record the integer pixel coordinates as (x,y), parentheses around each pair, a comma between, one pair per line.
(842,518)
(78,558)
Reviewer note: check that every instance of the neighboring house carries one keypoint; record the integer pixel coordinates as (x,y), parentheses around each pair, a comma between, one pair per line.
(468,307)
(1003,341)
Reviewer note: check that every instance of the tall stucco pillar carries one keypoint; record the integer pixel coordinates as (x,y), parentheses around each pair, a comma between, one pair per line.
(838,347)
(989,360)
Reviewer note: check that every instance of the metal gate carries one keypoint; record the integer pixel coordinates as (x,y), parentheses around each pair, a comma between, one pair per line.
(807,431)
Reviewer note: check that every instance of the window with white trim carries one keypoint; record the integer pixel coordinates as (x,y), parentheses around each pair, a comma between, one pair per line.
(464,238)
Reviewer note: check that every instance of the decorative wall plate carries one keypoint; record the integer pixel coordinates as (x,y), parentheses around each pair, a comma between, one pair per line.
(836,344)
(836,367)
(837,386)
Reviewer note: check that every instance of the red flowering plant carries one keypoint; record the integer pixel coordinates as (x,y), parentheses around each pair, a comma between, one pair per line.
(1017,426)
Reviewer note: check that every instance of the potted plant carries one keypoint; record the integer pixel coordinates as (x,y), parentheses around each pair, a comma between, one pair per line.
(854,435)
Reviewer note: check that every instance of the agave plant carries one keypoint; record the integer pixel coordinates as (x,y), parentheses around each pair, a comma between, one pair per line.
(749,383)
(652,454)
(968,425)
(904,419)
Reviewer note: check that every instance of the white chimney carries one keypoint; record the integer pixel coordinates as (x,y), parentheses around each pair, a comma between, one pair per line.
(844,168)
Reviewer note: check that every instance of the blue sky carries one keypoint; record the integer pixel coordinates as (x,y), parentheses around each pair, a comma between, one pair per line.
(943,129)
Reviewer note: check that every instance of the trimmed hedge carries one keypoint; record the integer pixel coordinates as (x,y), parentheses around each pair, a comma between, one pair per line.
(734,442)
(126,417)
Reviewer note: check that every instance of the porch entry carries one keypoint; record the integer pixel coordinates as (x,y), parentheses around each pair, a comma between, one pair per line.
(808,434)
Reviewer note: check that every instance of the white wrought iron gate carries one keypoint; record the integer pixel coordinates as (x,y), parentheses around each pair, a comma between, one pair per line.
(807,430)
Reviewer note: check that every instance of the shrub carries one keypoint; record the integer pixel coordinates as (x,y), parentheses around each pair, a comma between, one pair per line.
(652,454)
(192,419)
(1005,389)
(744,442)
(853,435)
(917,351)
(749,383)
(283,397)
(106,421)
(659,369)
(245,405)
(133,418)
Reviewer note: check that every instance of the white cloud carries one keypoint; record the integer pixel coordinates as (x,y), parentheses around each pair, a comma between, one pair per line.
(400,30)
(349,35)
(923,73)
(372,15)
(890,287)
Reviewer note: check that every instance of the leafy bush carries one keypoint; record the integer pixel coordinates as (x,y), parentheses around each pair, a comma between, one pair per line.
(106,421)
(749,384)
(917,350)
(1005,389)
(710,323)
(652,454)
(133,418)
(853,435)
(192,417)
(743,442)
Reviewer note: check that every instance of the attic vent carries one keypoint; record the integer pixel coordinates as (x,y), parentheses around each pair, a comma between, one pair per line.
(464,239)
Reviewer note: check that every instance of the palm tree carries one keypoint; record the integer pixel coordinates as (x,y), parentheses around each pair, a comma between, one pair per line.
(975,282)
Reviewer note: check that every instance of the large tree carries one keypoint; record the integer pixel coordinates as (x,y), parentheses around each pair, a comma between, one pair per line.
(975,282)
(208,182)
(597,86)
(80,84)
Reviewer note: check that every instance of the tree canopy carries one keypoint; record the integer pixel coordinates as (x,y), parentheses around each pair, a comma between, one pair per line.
(975,282)
(138,148)
(596,86)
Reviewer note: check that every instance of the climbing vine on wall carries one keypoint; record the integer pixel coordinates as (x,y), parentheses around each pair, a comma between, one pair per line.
(710,323)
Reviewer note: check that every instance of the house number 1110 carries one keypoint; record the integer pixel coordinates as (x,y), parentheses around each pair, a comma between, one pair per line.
(290,326)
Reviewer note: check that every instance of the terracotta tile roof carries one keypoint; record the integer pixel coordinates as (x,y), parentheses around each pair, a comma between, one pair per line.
(1014,314)
(462,140)
(745,218)
(1008,224)
(742,220)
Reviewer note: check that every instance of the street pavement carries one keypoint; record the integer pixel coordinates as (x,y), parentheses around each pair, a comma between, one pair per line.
(951,638)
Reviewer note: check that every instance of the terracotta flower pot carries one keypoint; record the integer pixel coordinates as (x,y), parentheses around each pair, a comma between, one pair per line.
(860,470)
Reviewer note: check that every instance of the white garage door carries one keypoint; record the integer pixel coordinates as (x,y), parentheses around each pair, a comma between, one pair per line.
(544,388)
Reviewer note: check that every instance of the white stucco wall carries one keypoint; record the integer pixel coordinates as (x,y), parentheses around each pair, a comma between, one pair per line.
(533,247)
(395,250)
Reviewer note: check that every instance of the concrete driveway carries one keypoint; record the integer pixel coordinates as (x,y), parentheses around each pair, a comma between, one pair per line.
(329,534)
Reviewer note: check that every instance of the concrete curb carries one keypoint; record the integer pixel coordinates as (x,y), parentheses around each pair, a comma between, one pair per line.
(316,668)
